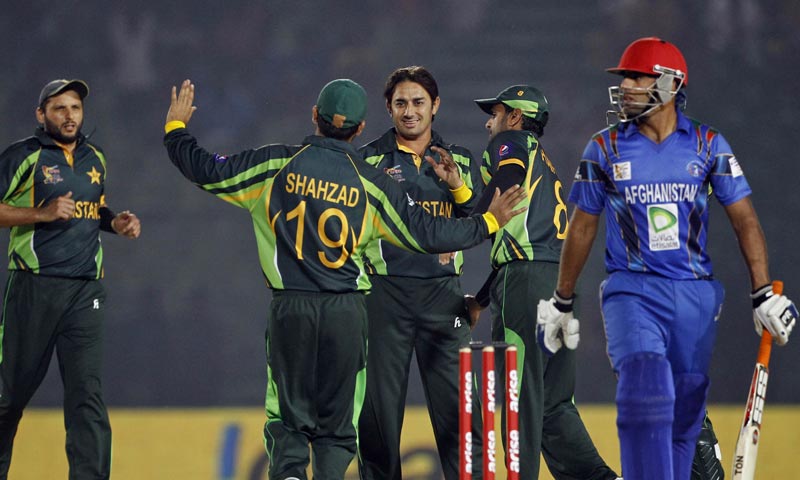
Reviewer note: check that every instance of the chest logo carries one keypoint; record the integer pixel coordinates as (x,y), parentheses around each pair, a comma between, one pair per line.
(694,168)
(622,171)
(395,172)
(663,227)
(94,175)
(52,175)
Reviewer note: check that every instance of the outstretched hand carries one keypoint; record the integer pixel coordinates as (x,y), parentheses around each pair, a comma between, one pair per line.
(180,107)
(502,206)
(446,168)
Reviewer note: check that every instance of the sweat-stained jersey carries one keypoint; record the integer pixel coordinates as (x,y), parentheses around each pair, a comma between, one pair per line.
(35,171)
(656,195)
(422,184)
(538,234)
(315,207)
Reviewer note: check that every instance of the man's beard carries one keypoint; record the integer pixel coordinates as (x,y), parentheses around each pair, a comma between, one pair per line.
(52,129)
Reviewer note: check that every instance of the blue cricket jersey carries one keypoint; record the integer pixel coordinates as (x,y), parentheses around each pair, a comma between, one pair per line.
(656,195)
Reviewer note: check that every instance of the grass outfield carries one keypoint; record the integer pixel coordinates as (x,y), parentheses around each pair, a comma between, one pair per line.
(225,444)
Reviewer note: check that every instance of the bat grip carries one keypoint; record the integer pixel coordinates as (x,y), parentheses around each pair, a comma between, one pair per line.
(765,348)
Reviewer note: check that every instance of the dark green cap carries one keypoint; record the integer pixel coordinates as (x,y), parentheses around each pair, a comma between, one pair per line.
(343,103)
(531,101)
(61,85)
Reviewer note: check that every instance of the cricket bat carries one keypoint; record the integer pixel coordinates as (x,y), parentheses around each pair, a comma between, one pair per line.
(744,460)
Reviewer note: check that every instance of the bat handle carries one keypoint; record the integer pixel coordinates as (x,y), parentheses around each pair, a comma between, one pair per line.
(765,348)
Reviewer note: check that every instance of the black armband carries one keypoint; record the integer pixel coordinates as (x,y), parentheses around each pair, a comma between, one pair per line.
(106,217)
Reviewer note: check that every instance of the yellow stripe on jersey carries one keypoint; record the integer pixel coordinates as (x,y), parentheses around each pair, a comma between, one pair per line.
(511,161)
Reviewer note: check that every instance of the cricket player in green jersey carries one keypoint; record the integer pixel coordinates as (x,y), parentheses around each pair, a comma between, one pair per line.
(53,198)
(525,256)
(416,304)
(315,207)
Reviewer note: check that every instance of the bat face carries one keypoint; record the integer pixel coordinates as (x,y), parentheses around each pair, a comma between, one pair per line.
(744,460)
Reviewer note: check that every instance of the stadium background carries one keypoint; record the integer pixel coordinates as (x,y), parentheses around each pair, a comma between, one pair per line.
(187,302)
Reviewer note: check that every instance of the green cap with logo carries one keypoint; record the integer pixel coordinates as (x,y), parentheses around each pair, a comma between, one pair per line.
(57,87)
(531,101)
(343,103)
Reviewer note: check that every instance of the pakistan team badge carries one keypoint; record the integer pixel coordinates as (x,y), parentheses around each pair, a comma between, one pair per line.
(662,225)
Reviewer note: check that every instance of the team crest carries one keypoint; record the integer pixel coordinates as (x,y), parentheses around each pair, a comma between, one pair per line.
(622,171)
(504,150)
(395,172)
(695,168)
(52,175)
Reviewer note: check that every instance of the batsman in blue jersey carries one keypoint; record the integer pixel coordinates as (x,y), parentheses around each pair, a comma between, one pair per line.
(653,172)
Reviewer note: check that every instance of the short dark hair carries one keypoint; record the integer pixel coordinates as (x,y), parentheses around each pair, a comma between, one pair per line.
(414,74)
(530,124)
(328,130)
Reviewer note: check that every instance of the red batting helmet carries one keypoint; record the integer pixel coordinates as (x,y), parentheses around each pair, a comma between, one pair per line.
(644,54)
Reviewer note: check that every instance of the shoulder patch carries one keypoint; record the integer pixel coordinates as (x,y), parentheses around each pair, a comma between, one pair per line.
(504,150)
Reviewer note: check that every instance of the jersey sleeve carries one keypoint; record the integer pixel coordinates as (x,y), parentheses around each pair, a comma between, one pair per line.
(16,167)
(727,177)
(237,179)
(589,184)
(401,221)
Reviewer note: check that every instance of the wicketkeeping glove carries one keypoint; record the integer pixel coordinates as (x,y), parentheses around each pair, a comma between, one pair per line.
(555,325)
(775,312)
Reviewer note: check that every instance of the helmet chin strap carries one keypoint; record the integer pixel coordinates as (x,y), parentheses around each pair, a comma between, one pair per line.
(659,93)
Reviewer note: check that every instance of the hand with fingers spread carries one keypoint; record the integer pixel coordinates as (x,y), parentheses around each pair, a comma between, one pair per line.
(127,224)
(61,208)
(446,168)
(502,206)
(181,105)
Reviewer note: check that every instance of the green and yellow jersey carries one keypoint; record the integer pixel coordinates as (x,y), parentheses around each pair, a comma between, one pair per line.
(315,208)
(516,157)
(421,183)
(35,171)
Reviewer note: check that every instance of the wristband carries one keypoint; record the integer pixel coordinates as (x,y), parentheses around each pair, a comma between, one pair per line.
(761,295)
(562,304)
(173,125)
(491,222)
(461,194)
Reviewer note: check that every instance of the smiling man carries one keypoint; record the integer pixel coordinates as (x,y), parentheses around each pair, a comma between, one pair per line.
(416,303)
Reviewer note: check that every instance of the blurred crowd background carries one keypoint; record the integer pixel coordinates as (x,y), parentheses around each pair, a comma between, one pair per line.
(187,303)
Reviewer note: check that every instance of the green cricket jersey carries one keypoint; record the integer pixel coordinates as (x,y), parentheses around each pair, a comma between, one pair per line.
(422,184)
(537,234)
(35,171)
(316,206)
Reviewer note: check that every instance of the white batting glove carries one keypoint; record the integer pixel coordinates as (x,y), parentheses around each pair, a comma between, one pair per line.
(775,312)
(555,325)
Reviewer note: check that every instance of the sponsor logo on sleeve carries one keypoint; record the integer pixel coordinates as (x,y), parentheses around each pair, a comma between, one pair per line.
(736,170)
(503,150)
